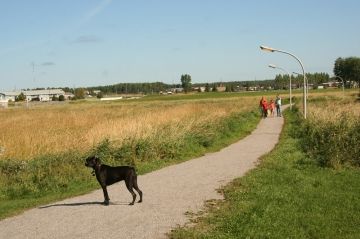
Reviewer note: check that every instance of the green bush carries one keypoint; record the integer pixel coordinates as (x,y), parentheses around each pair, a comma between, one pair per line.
(332,144)
(50,173)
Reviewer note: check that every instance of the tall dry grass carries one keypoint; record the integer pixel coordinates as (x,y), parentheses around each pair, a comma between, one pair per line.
(27,133)
(331,134)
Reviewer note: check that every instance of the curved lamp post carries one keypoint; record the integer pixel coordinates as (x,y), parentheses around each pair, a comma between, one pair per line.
(277,67)
(266,48)
(343,83)
(307,83)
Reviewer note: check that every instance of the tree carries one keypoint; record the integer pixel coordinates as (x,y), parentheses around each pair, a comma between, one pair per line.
(20,97)
(207,87)
(54,98)
(214,89)
(186,82)
(61,97)
(228,88)
(79,93)
(100,95)
(348,68)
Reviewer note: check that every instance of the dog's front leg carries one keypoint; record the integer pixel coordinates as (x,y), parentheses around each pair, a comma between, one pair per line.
(106,196)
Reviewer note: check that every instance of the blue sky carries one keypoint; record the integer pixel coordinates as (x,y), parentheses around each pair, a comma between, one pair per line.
(48,43)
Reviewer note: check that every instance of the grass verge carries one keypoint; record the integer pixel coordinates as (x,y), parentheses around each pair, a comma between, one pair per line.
(287,196)
(26,184)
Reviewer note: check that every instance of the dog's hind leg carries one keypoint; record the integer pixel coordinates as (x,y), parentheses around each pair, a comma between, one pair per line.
(137,188)
(129,186)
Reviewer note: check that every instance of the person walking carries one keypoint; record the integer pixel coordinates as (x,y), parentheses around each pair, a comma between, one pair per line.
(264,107)
(272,108)
(278,106)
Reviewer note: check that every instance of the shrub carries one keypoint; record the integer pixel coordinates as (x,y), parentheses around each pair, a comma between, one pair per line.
(332,140)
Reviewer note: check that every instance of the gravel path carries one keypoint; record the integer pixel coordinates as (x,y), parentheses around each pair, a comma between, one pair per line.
(168,194)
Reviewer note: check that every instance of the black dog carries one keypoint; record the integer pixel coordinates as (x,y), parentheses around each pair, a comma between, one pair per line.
(107,175)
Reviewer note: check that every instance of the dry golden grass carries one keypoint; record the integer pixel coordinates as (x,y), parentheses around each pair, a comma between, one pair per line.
(27,133)
(334,106)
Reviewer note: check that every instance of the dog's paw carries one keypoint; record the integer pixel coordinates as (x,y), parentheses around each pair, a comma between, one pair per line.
(130,204)
(106,203)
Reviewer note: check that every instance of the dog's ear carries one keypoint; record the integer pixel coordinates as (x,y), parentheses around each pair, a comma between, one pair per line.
(96,160)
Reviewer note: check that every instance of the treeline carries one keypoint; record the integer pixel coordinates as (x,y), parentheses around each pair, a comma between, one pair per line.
(133,88)
(297,81)
(280,82)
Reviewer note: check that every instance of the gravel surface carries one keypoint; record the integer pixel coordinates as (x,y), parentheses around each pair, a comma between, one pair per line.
(169,193)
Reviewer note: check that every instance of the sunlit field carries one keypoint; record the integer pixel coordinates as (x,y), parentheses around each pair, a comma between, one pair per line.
(43,147)
(29,132)
(307,187)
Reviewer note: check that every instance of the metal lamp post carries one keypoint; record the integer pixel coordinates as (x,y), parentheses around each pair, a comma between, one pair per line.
(343,83)
(307,83)
(266,48)
(277,67)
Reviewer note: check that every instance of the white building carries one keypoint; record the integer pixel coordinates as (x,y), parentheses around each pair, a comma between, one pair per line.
(10,95)
(3,101)
(43,95)
(40,95)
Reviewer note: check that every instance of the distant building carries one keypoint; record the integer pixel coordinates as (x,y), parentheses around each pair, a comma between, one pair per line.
(43,95)
(68,95)
(221,88)
(331,84)
(30,95)
(3,102)
(10,95)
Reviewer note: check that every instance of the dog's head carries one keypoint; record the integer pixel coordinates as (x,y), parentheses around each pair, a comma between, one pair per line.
(92,161)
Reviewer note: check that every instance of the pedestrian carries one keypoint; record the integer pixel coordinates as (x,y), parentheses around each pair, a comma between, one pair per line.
(272,107)
(263,105)
(278,106)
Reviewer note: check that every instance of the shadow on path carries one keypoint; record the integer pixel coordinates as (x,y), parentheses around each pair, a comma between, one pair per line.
(81,204)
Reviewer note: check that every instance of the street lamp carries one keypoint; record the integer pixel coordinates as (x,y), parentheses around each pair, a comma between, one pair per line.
(343,83)
(277,67)
(266,48)
(307,83)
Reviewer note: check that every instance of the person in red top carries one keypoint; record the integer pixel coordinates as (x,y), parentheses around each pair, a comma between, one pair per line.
(264,106)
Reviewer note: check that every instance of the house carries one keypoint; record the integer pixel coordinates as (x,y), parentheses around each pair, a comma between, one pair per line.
(68,95)
(3,101)
(331,84)
(43,95)
(38,95)
(2,96)
(10,95)
(221,88)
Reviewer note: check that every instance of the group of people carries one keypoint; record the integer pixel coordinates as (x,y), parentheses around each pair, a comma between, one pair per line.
(268,108)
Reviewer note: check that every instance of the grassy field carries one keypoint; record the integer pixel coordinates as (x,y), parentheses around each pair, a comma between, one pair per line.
(27,133)
(45,146)
(290,194)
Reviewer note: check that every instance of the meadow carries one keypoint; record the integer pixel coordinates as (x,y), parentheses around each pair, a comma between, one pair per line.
(293,193)
(44,146)
(28,133)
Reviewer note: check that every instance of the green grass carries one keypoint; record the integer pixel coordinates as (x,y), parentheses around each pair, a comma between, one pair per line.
(287,196)
(26,184)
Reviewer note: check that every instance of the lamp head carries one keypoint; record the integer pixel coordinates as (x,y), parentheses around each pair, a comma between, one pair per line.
(266,48)
(272,66)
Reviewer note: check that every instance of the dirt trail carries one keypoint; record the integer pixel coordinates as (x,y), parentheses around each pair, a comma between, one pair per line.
(168,194)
